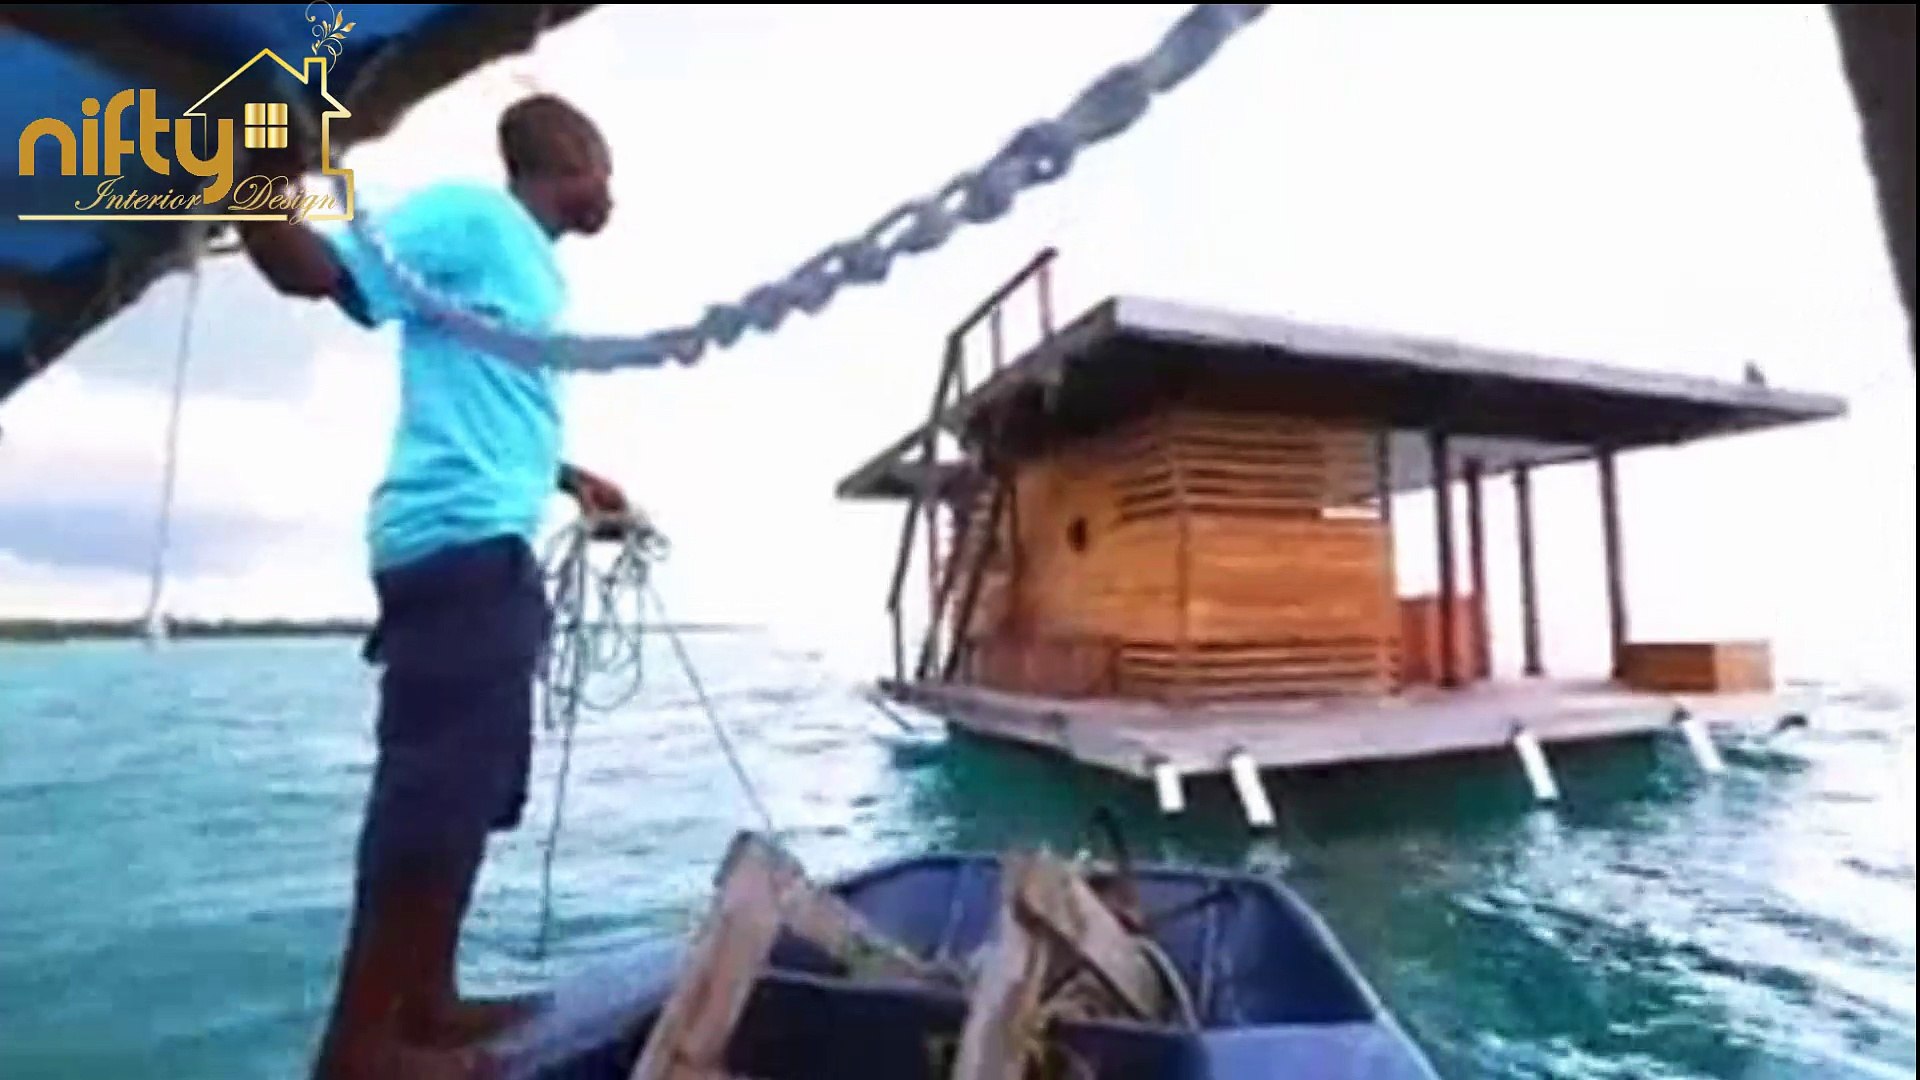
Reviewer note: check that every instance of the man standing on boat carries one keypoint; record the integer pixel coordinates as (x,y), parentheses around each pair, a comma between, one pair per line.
(463,610)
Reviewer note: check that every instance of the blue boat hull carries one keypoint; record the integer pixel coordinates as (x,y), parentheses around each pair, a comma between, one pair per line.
(1275,993)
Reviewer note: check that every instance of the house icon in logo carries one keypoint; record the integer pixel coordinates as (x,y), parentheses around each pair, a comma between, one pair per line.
(266,122)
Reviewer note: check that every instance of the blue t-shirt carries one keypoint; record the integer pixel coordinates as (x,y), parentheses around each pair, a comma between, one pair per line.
(477,448)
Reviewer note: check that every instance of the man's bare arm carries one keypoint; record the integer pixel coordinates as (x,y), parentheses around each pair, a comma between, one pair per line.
(293,258)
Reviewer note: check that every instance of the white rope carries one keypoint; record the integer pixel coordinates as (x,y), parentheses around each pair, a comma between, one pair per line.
(599,635)
(598,623)
(170,461)
(713,718)
(597,631)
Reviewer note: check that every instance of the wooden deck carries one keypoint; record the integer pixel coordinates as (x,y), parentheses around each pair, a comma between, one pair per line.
(1136,739)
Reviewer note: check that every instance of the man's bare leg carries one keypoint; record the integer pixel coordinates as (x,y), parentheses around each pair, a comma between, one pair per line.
(364,1007)
(461,631)
(440,1017)
(396,974)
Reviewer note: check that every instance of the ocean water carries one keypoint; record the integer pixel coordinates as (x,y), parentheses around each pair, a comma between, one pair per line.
(176,832)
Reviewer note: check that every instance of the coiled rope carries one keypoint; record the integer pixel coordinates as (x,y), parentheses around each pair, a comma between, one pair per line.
(599,637)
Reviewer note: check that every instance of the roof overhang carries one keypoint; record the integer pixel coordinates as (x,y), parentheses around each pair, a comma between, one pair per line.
(1501,408)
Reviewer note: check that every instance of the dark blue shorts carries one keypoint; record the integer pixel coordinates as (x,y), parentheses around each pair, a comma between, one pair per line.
(460,636)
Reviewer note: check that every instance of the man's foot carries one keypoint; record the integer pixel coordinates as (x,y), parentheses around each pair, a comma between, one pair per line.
(408,1062)
(464,1022)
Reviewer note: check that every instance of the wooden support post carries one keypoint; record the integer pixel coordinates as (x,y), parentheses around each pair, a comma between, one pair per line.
(1109,970)
(1529,599)
(1477,568)
(761,888)
(1616,580)
(1383,494)
(934,615)
(976,571)
(1182,565)
(1443,523)
(690,1039)
(1013,601)
(899,648)
(1052,925)
(1045,290)
(1003,1009)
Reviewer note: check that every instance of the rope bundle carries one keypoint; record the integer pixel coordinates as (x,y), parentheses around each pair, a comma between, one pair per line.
(598,627)
(599,634)
(598,631)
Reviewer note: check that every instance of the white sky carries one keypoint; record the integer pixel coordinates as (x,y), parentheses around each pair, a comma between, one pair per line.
(1677,189)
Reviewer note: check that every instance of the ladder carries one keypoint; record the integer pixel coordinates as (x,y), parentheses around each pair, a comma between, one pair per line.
(953,485)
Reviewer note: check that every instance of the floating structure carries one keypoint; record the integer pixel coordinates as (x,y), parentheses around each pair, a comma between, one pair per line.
(1162,543)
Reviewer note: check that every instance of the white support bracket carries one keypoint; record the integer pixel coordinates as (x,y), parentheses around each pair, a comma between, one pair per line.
(1253,795)
(1534,760)
(1700,741)
(1166,782)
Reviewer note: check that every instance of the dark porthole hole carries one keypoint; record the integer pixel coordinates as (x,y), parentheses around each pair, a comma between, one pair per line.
(1077,534)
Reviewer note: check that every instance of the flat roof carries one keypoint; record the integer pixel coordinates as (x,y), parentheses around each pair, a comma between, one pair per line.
(1503,407)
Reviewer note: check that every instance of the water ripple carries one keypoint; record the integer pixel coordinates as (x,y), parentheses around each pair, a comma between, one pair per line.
(177,832)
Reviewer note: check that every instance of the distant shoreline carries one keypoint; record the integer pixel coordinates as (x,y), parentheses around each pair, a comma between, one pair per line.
(59,630)
(54,630)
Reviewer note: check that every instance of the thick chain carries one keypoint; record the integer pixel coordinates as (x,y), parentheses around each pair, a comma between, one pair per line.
(1040,153)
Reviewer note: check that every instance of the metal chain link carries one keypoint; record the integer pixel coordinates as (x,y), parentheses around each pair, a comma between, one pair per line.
(1040,153)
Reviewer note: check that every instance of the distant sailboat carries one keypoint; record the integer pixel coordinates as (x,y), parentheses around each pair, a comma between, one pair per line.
(156,629)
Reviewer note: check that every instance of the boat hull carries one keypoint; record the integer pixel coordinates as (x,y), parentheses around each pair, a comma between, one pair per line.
(1275,993)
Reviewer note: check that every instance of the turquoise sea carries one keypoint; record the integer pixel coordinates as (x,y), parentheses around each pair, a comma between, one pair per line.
(176,830)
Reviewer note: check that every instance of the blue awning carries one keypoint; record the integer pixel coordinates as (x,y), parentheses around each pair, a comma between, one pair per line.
(61,279)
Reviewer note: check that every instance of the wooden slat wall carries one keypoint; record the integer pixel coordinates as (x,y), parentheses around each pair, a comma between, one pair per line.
(1227,556)
(1057,667)
(1420,640)
(1290,575)
(1272,467)
(1068,609)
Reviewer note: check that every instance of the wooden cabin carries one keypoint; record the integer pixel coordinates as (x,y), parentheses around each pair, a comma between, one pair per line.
(1163,538)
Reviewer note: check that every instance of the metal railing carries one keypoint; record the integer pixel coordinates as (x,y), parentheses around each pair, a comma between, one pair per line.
(950,387)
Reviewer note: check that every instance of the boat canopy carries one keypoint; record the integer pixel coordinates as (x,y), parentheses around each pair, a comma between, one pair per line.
(60,279)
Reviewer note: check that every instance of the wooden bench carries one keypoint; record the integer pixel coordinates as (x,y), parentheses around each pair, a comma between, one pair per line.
(1697,667)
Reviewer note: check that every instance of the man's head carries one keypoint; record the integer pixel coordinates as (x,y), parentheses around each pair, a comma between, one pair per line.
(558,164)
